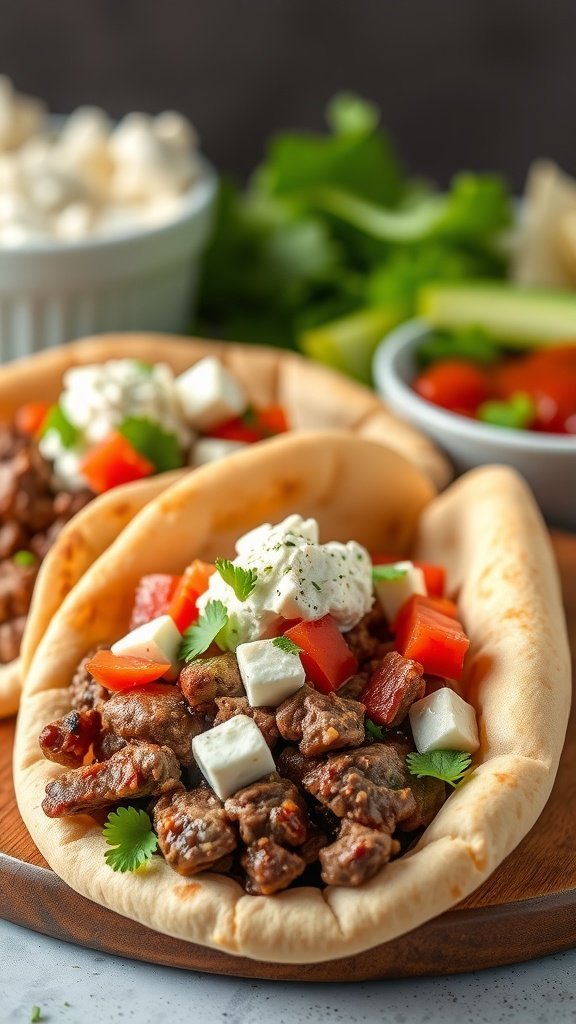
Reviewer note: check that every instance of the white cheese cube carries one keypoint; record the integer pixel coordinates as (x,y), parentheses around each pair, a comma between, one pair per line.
(232,755)
(209,395)
(157,640)
(269,674)
(393,593)
(443,721)
(210,449)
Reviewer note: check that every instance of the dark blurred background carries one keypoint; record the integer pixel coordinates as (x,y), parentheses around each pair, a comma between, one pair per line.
(461,83)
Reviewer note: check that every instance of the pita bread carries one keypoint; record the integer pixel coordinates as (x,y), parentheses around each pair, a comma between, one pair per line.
(487,532)
(313,396)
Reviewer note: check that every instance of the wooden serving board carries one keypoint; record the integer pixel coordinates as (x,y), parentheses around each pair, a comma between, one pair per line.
(527,908)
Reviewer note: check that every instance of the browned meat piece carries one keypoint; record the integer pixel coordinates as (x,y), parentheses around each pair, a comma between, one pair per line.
(11,441)
(271,807)
(207,678)
(392,688)
(270,867)
(161,717)
(265,718)
(139,769)
(85,692)
(365,785)
(370,639)
(69,503)
(25,493)
(12,539)
(291,764)
(16,586)
(11,638)
(68,740)
(317,840)
(321,721)
(193,831)
(353,687)
(106,744)
(357,855)
(429,795)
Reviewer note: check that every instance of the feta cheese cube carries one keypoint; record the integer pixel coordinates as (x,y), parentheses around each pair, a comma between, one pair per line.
(269,674)
(157,640)
(232,755)
(443,721)
(209,394)
(210,449)
(393,593)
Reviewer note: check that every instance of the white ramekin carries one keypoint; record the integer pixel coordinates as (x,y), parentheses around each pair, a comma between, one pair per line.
(143,279)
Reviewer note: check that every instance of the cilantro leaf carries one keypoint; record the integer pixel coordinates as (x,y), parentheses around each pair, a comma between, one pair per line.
(241,580)
(198,637)
(24,558)
(387,572)
(57,420)
(517,413)
(448,765)
(373,730)
(161,447)
(132,840)
(284,643)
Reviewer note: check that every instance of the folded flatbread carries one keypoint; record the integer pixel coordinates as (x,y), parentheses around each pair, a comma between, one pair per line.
(486,531)
(313,396)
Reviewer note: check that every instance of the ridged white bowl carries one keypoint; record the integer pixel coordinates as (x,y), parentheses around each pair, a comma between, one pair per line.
(142,279)
(546,461)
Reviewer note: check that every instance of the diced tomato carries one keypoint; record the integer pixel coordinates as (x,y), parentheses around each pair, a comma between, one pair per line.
(440,604)
(121,672)
(30,417)
(427,635)
(453,384)
(194,581)
(235,430)
(254,425)
(152,597)
(113,462)
(326,657)
(392,688)
(550,381)
(434,575)
(272,420)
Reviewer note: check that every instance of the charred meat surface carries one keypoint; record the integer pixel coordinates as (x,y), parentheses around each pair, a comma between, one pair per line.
(207,678)
(370,639)
(270,867)
(138,769)
(85,692)
(357,855)
(320,722)
(265,718)
(364,785)
(106,744)
(392,688)
(193,831)
(68,740)
(163,718)
(272,808)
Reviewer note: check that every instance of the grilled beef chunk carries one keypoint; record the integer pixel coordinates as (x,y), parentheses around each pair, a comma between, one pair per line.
(320,721)
(429,795)
(68,740)
(265,718)
(138,769)
(106,744)
(270,867)
(392,688)
(85,692)
(365,639)
(193,831)
(162,718)
(207,678)
(11,638)
(365,785)
(357,855)
(12,539)
(16,586)
(271,807)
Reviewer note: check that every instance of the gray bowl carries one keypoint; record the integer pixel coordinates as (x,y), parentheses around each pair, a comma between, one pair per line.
(547,461)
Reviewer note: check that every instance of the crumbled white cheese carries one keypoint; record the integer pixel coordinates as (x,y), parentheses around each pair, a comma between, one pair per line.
(209,394)
(444,721)
(269,674)
(210,449)
(393,593)
(232,755)
(296,578)
(157,640)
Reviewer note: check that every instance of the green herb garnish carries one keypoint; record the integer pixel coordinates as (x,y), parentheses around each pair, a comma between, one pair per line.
(241,580)
(24,558)
(198,637)
(57,420)
(387,572)
(132,840)
(373,730)
(517,413)
(284,643)
(161,447)
(36,1014)
(448,765)
(316,586)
